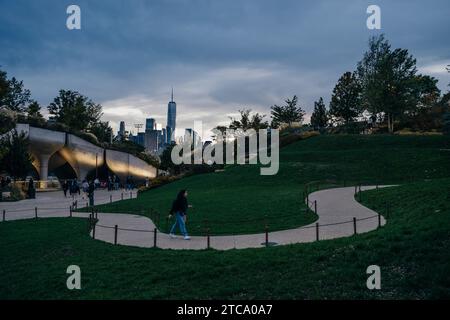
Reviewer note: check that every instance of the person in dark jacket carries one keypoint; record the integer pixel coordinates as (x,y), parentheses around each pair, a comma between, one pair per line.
(65,187)
(179,208)
(90,192)
(31,189)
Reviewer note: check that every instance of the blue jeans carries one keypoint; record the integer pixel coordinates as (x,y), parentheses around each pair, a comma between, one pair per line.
(179,220)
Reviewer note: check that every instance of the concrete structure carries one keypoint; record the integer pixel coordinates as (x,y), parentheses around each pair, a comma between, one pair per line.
(51,149)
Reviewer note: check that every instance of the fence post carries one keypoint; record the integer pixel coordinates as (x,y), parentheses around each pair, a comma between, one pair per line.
(315,206)
(208,240)
(379,220)
(93,230)
(4,215)
(354,225)
(267,235)
(35,212)
(317,231)
(155,231)
(115,234)
(70,211)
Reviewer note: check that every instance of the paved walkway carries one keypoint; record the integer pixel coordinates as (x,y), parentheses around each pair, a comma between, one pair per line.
(336,209)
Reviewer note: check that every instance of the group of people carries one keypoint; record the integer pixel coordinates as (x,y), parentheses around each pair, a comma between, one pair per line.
(88,188)
(113,182)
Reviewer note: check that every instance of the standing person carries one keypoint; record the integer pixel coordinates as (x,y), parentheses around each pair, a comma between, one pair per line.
(31,189)
(65,186)
(90,192)
(179,207)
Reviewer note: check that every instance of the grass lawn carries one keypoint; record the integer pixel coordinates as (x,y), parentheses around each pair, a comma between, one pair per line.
(240,200)
(412,250)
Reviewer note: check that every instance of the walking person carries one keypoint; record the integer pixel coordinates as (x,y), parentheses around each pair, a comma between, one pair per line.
(90,192)
(65,187)
(179,207)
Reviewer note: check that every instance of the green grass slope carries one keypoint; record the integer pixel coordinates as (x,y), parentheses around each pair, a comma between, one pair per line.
(412,250)
(240,200)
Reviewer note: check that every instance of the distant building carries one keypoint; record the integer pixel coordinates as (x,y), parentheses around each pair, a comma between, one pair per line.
(193,135)
(152,141)
(121,132)
(150,124)
(171,120)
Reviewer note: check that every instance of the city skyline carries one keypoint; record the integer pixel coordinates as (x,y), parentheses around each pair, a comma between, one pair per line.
(234,56)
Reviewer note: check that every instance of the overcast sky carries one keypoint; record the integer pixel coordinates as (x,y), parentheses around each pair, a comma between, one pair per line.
(220,56)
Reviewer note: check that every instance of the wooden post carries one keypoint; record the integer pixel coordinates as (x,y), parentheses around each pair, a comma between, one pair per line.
(115,234)
(93,231)
(379,220)
(317,231)
(35,212)
(208,240)
(4,215)
(155,231)
(354,225)
(315,206)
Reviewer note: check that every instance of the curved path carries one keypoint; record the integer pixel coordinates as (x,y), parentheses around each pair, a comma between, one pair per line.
(336,209)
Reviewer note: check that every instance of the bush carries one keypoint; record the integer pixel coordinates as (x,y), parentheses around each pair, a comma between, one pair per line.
(284,141)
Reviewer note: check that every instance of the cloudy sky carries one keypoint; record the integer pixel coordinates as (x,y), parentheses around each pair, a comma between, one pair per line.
(220,56)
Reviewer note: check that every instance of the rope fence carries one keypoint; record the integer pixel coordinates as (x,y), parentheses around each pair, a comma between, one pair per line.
(206,225)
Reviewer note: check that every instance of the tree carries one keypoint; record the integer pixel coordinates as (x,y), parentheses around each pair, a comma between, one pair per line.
(319,117)
(75,110)
(102,131)
(16,159)
(387,79)
(13,95)
(34,109)
(345,104)
(288,113)
(248,121)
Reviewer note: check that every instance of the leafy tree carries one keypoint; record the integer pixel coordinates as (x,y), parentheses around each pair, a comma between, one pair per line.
(34,110)
(248,121)
(288,113)
(16,159)
(388,79)
(166,161)
(102,131)
(13,95)
(75,110)
(345,104)
(319,117)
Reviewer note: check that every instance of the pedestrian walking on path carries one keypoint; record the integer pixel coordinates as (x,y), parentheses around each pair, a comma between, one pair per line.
(179,207)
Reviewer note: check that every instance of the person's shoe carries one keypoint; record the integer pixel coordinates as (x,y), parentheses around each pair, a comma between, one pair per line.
(187,238)
(172,235)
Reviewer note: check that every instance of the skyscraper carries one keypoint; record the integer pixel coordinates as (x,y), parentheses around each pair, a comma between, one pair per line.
(171,120)
(150,124)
